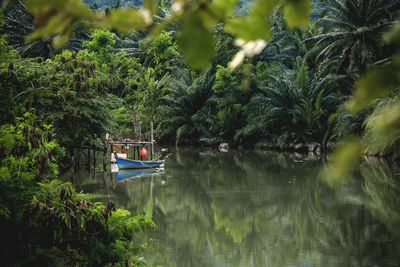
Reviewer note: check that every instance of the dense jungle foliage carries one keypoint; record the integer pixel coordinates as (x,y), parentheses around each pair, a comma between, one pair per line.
(206,76)
(291,92)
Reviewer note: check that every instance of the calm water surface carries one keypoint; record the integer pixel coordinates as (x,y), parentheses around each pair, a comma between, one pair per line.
(261,209)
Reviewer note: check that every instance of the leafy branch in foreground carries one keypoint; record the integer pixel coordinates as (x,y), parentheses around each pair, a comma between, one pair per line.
(198,20)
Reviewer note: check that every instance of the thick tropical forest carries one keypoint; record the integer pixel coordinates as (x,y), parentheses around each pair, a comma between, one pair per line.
(318,77)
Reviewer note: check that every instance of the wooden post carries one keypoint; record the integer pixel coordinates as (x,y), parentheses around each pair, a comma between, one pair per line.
(94,161)
(140,131)
(152,139)
(88,162)
(77,159)
(105,150)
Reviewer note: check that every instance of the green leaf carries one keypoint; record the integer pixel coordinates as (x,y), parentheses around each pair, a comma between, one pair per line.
(375,84)
(151,5)
(254,26)
(127,20)
(5,174)
(57,17)
(249,29)
(383,127)
(196,41)
(393,36)
(60,17)
(223,8)
(342,163)
(297,13)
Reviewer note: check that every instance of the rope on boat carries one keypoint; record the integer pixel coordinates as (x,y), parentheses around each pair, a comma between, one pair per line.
(151,167)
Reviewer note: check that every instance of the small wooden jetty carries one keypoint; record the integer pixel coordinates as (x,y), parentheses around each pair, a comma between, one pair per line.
(123,145)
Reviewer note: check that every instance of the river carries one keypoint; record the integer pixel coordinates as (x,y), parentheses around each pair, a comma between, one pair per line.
(244,208)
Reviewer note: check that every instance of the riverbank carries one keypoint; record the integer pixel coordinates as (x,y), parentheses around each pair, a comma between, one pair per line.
(303,148)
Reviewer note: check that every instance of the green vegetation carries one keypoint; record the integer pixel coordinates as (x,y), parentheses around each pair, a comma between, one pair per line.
(289,93)
(44,221)
(50,107)
(70,73)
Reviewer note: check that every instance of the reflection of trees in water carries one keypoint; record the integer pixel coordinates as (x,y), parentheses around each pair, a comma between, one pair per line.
(382,187)
(262,209)
(361,209)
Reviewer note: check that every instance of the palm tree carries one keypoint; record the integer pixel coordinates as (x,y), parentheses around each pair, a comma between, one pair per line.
(186,96)
(19,24)
(295,105)
(353,33)
(286,44)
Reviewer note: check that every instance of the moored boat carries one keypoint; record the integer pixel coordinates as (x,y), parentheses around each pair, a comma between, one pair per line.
(124,164)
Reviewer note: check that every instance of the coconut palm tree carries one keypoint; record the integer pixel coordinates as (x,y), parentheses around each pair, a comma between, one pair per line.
(353,33)
(19,24)
(285,44)
(295,105)
(176,117)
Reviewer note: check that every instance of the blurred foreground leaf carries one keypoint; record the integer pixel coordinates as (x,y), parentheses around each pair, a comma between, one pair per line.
(342,163)
(196,41)
(383,128)
(393,36)
(126,20)
(151,5)
(376,83)
(297,13)
(223,8)
(254,26)
(57,17)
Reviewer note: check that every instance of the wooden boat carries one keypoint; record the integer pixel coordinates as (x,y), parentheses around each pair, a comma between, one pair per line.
(124,164)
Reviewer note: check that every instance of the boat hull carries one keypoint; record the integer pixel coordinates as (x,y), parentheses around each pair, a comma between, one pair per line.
(124,164)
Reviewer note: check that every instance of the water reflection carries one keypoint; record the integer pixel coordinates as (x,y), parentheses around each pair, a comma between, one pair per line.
(264,209)
(124,175)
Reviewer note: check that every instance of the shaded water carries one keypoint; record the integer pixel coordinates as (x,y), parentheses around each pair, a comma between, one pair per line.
(261,209)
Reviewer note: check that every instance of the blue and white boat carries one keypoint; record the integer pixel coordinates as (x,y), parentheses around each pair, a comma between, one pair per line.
(124,164)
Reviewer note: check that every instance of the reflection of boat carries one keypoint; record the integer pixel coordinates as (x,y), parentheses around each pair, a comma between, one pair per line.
(137,164)
(128,174)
